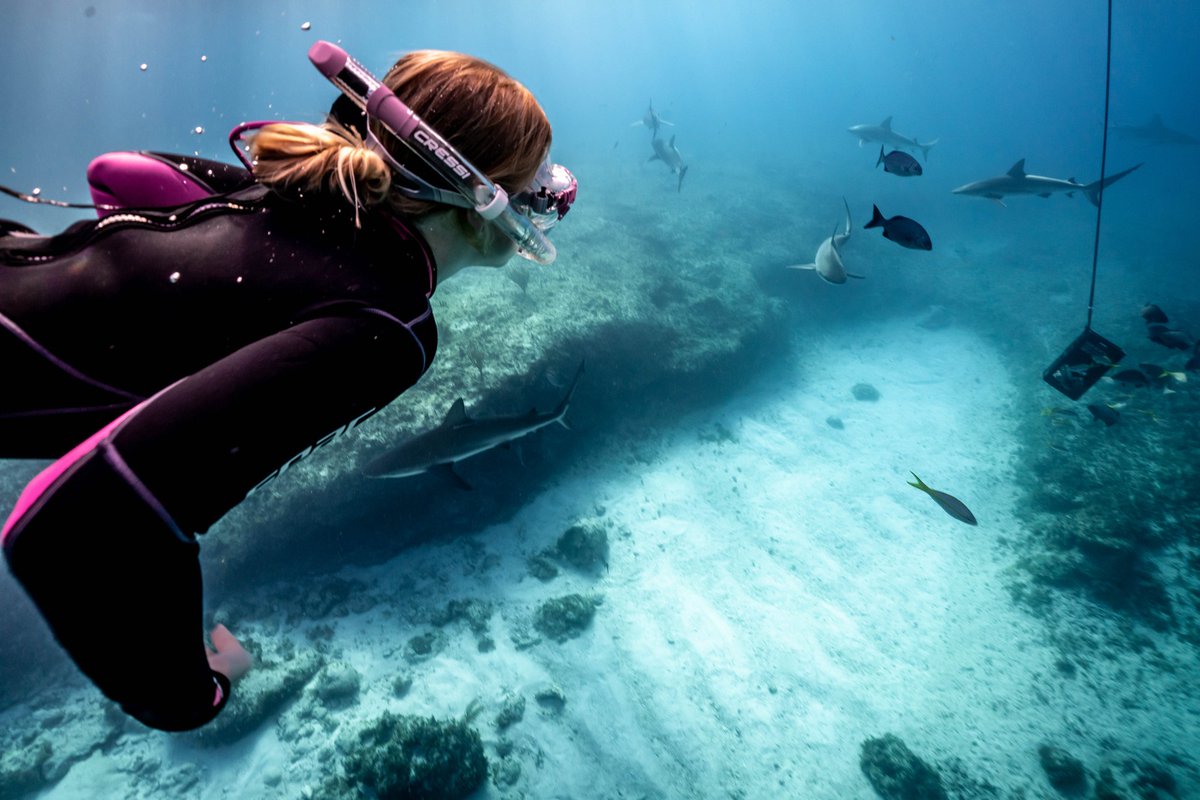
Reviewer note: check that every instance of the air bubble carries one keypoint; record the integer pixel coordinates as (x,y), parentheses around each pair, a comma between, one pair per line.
(198,129)
(306,26)
(174,277)
(144,67)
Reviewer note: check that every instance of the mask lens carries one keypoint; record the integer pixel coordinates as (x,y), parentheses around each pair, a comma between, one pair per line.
(549,196)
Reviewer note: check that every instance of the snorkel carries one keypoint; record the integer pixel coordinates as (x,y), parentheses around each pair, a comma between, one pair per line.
(380,103)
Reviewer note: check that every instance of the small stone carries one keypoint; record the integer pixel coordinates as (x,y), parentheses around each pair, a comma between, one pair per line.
(338,683)
(511,711)
(1064,771)
(584,545)
(551,698)
(865,392)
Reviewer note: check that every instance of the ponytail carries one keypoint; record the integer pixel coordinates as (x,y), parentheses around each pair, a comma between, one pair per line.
(296,158)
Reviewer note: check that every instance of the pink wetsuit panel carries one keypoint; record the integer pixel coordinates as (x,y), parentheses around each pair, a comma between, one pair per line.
(50,474)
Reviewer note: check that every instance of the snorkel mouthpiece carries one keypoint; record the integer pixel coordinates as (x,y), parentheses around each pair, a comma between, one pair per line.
(380,103)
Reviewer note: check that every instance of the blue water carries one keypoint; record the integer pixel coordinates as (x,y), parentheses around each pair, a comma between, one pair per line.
(760,95)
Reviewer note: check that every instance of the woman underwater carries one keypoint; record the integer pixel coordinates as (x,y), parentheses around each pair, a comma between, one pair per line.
(215,322)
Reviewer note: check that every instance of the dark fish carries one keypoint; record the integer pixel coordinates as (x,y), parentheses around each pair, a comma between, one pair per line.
(1154,372)
(1132,377)
(950,504)
(1152,313)
(898,163)
(1167,337)
(1108,416)
(901,230)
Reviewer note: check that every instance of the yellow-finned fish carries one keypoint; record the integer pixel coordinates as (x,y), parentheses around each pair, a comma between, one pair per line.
(950,504)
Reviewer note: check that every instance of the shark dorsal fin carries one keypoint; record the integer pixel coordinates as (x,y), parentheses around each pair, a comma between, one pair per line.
(887,123)
(457,415)
(1018,170)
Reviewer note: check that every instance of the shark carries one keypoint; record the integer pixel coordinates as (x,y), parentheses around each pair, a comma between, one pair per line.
(461,436)
(1155,131)
(828,264)
(884,134)
(1017,181)
(651,120)
(669,155)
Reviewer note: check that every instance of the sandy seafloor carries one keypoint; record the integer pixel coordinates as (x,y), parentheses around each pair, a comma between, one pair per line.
(775,595)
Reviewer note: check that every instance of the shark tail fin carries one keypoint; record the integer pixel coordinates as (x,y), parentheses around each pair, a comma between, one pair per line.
(925,148)
(561,410)
(682,172)
(1092,190)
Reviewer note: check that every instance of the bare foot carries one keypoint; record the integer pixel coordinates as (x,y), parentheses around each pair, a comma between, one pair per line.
(229,658)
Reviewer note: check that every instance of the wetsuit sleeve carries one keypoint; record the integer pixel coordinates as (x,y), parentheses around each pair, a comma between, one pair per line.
(103,540)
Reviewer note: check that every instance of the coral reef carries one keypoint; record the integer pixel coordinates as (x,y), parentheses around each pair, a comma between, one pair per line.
(410,758)
(584,545)
(275,681)
(1113,514)
(566,617)
(475,613)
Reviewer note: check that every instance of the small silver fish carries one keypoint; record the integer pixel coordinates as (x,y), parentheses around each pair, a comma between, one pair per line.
(950,504)
(899,163)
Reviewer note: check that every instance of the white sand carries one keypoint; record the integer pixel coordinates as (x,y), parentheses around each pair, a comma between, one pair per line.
(771,602)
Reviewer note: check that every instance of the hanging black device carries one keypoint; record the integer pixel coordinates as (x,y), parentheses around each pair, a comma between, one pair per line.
(1086,359)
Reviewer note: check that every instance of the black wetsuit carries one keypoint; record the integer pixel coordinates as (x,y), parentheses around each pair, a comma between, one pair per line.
(233,334)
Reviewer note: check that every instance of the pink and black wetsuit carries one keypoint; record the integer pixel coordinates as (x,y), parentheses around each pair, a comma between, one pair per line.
(172,359)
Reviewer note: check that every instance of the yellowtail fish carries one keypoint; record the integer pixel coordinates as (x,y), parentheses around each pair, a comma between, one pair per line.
(950,504)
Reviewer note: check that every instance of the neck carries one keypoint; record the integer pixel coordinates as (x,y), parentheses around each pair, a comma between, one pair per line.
(453,249)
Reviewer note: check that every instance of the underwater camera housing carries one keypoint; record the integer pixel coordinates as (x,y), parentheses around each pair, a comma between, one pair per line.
(1082,364)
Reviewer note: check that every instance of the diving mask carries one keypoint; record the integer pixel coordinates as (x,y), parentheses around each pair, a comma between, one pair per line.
(552,190)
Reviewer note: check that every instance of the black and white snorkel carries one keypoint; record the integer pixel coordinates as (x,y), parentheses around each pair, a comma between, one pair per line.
(379,102)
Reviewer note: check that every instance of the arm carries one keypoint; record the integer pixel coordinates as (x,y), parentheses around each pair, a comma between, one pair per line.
(103,540)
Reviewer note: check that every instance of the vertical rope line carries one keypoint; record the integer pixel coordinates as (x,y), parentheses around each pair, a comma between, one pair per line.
(1103,163)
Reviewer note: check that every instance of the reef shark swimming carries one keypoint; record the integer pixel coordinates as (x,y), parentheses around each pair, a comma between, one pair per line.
(651,120)
(828,264)
(884,134)
(1017,181)
(669,155)
(460,437)
(1155,131)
